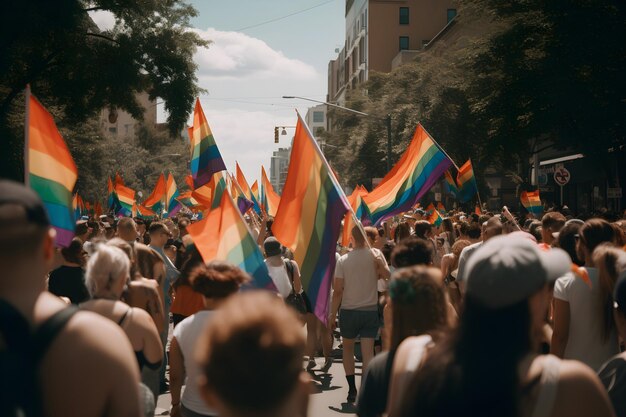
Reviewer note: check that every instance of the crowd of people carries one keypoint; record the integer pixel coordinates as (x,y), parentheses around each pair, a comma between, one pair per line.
(490,315)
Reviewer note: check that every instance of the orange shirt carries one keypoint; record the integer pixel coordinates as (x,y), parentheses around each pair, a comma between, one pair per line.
(186,301)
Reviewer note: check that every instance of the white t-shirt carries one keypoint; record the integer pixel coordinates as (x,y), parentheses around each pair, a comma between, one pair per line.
(463,258)
(585,342)
(360,280)
(186,334)
(281,279)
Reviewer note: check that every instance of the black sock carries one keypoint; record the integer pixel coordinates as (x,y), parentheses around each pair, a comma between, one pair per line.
(351,384)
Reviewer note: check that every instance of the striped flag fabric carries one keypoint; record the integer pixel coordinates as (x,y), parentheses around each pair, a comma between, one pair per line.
(466,182)
(206,159)
(187,200)
(441,208)
(172,205)
(111,197)
(435,218)
(224,235)
(255,192)
(450,184)
(360,210)
(269,198)
(189,181)
(155,200)
(50,170)
(421,165)
(126,200)
(239,196)
(309,217)
(245,187)
(98,209)
(144,213)
(532,202)
(76,207)
(118,179)
(430,208)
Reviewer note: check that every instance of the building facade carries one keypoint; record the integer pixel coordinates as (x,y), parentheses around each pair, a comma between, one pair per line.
(278,168)
(118,123)
(316,119)
(379,30)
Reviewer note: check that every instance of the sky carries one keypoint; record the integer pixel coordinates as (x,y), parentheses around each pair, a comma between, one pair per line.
(248,68)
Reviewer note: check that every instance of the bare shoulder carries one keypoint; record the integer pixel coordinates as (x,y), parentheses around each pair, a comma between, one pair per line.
(577,380)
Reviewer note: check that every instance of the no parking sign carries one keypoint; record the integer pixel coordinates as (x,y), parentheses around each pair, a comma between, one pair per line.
(562,176)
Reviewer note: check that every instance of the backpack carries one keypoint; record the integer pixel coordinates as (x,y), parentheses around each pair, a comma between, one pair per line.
(21,353)
(294,300)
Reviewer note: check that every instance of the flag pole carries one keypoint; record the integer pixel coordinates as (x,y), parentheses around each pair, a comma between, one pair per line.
(26,136)
(331,173)
(439,146)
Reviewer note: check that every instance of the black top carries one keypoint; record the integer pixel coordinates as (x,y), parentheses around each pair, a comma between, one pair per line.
(613,376)
(372,399)
(69,281)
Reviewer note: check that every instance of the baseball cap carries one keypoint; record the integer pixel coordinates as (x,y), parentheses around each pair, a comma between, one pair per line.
(506,270)
(619,293)
(271,246)
(12,192)
(81,227)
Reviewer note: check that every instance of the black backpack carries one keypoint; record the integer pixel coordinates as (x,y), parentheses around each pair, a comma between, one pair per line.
(21,352)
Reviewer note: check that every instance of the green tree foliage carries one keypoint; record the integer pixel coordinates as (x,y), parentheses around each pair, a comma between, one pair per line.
(70,63)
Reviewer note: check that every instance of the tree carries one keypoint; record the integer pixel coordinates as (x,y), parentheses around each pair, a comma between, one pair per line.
(70,63)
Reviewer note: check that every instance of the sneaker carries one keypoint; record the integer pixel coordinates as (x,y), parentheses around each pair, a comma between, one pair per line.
(311,365)
(351,396)
(327,364)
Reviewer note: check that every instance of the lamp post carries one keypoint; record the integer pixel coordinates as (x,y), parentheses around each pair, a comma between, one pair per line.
(387,120)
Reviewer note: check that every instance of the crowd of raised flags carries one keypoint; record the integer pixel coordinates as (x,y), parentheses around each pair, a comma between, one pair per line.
(308,217)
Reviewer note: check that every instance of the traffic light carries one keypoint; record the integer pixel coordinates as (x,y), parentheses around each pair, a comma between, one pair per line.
(276,134)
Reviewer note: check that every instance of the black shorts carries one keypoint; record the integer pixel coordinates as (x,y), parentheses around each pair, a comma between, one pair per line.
(353,323)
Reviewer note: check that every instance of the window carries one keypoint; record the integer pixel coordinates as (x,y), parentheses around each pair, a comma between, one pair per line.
(404,15)
(113,130)
(404,42)
(451,14)
(318,117)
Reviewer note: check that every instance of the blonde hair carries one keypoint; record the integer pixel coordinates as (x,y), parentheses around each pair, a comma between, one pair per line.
(106,266)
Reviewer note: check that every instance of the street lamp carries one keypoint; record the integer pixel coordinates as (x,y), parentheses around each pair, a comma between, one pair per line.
(387,120)
(283,132)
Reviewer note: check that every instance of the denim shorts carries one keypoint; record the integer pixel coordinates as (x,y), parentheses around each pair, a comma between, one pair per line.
(353,323)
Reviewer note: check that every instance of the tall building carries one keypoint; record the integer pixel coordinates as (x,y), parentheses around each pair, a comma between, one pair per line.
(278,168)
(379,32)
(118,123)
(316,119)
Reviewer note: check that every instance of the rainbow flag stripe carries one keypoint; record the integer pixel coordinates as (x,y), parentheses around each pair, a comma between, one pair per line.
(237,193)
(154,200)
(450,184)
(51,170)
(223,235)
(435,218)
(247,192)
(309,217)
(126,199)
(466,182)
(172,206)
(269,199)
(532,202)
(206,159)
(360,210)
(421,165)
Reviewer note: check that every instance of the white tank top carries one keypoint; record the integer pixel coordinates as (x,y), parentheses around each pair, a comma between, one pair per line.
(281,279)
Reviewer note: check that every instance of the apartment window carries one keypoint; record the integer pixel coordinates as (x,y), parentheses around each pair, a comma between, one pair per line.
(404,15)
(318,117)
(404,42)
(451,14)
(113,130)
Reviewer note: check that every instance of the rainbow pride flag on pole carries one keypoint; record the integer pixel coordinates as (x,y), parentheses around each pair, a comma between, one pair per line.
(50,170)
(155,200)
(224,235)
(450,184)
(532,202)
(466,182)
(435,218)
(126,199)
(270,200)
(421,165)
(247,191)
(309,217)
(360,210)
(239,196)
(206,159)
(172,205)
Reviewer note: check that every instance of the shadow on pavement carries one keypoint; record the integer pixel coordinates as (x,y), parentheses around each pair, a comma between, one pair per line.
(346,408)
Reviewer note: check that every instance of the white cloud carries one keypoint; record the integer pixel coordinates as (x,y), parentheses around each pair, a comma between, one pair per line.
(236,55)
(104,19)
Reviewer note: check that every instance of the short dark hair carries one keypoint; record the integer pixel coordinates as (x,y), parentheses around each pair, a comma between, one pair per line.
(553,221)
(421,228)
(412,251)
(474,231)
(252,335)
(74,252)
(157,227)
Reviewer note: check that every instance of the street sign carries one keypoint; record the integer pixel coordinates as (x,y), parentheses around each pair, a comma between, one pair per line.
(561,176)
(614,193)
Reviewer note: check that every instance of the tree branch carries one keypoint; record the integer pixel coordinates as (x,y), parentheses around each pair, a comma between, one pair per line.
(97,35)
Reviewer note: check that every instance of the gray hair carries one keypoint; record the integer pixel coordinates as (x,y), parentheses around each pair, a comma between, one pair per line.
(106,266)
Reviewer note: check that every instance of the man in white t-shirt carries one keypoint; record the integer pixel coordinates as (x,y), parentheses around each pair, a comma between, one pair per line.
(285,280)
(356,291)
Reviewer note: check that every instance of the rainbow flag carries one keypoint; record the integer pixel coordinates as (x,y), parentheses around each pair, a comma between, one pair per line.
(309,217)
(98,209)
(155,200)
(50,170)
(421,165)
(269,199)
(441,208)
(218,187)
(206,159)
(118,179)
(238,194)
(532,202)
(187,200)
(435,218)
(466,182)
(360,210)
(247,192)
(478,210)
(111,197)
(450,184)
(172,205)
(255,191)
(126,200)
(203,195)
(430,208)
(76,207)
(143,212)
(223,235)
(189,181)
